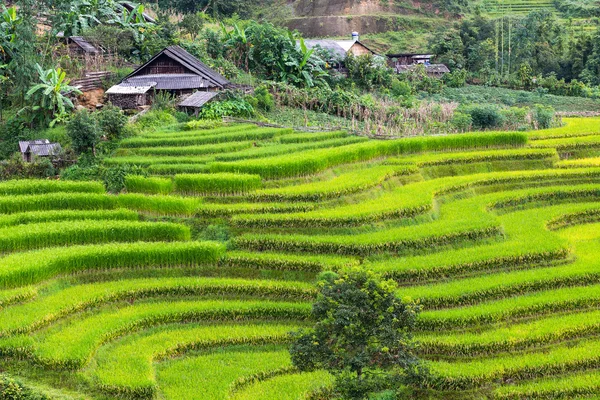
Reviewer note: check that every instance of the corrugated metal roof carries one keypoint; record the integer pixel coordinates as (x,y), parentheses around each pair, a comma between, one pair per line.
(167,81)
(120,89)
(84,44)
(326,44)
(40,147)
(197,99)
(45,149)
(24,144)
(179,55)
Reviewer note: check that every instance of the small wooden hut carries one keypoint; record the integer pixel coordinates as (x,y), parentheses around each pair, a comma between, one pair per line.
(173,70)
(38,148)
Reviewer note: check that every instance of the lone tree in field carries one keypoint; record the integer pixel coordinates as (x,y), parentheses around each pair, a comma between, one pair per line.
(362,331)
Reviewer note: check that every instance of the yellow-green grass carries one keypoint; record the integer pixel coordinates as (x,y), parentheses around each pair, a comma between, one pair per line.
(569,386)
(506,309)
(200,132)
(33,217)
(266,149)
(145,161)
(580,163)
(38,235)
(414,198)
(559,359)
(31,267)
(214,138)
(229,209)
(138,352)
(511,337)
(73,345)
(148,185)
(302,137)
(340,185)
(307,163)
(179,379)
(39,186)
(286,387)
(165,205)
(216,184)
(55,302)
(573,127)
(200,150)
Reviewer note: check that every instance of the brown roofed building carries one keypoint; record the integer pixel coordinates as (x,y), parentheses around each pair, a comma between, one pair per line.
(172,70)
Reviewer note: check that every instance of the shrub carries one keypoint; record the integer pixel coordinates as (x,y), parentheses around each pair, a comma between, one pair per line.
(202,124)
(155,119)
(486,116)
(79,173)
(230,108)
(264,98)
(114,177)
(84,133)
(111,121)
(461,122)
(544,116)
(401,88)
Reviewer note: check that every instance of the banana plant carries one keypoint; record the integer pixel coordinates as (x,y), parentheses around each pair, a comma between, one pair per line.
(9,20)
(238,44)
(301,68)
(50,96)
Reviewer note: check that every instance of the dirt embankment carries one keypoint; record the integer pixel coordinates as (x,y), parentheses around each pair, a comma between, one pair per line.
(323,18)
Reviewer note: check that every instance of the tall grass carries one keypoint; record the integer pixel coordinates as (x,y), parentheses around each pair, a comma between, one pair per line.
(30,267)
(220,183)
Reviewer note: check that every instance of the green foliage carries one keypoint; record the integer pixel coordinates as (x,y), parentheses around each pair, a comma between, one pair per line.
(368,71)
(11,389)
(264,98)
(192,23)
(202,124)
(16,168)
(544,116)
(84,132)
(230,108)
(486,116)
(141,184)
(111,121)
(361,326)
(155,119)
(49,98)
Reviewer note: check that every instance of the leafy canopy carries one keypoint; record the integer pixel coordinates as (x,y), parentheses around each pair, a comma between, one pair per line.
(361,328)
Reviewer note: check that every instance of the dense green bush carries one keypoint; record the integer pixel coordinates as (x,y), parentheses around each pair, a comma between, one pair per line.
(202,124)
(111,121)
(15,167)
(11,389)
(84,132)
(155,119)
(544,116)
(229,108)
(486,116)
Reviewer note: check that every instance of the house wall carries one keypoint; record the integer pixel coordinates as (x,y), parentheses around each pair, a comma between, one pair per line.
(129,101)
(163,65)
(358,49)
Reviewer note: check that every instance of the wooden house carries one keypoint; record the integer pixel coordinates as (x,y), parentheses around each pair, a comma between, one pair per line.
(406,62)
(173,70)
(38,148)
(337,50)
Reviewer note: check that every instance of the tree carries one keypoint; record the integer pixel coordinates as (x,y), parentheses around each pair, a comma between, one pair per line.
(362,329)
(192,24)
(50,96)
(84,132)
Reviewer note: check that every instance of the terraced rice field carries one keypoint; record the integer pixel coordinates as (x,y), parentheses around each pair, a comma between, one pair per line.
(496,234)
